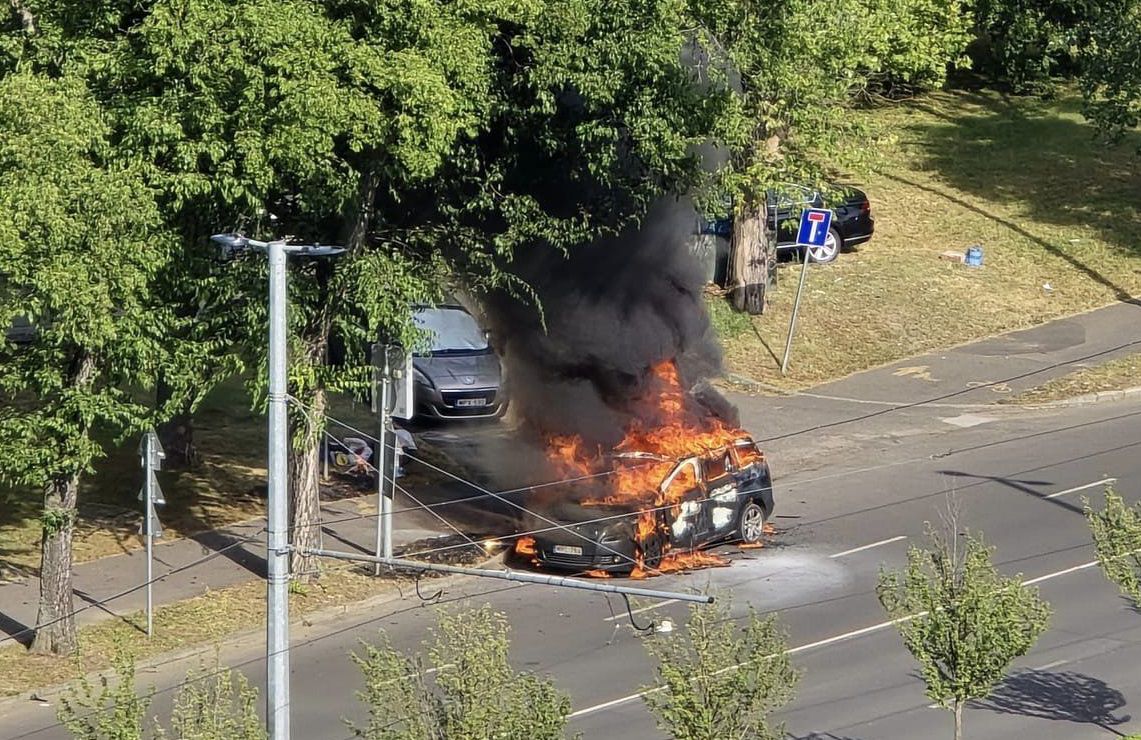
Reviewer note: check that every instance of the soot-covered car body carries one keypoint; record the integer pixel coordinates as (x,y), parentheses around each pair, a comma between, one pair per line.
(723,495)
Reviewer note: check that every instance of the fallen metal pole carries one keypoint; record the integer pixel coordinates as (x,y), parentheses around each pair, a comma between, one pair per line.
(514,575)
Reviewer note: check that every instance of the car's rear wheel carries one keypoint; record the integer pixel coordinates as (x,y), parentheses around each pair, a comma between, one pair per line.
(831,249)
(751,524)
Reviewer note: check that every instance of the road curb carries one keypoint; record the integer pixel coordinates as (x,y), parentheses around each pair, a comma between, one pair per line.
(318,620)
(1082,400)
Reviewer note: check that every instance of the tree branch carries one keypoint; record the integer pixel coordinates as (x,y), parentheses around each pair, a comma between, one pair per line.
(27,20)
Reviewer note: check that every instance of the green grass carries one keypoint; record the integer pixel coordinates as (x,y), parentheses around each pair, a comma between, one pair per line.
(1025,178)
(227,487)
(1115,375)
(224,489)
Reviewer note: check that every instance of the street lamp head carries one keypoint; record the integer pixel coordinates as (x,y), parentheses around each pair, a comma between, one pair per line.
(231,244)
(313,250)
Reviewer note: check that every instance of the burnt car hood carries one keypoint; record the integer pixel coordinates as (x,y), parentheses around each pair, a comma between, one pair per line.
(583,520)
(461,371)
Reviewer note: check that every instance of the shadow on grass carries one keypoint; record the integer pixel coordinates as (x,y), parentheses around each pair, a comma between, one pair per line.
(1039,157)
(1063,696)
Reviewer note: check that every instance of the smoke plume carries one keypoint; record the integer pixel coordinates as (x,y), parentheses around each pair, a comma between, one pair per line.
(611,310)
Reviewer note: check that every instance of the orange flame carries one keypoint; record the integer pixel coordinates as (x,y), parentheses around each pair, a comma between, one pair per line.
(525,546)
(669,426)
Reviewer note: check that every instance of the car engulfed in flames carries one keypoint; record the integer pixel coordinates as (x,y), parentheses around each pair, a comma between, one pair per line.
(680,481)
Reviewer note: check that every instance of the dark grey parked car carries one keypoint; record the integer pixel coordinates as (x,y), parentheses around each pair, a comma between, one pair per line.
(458,376)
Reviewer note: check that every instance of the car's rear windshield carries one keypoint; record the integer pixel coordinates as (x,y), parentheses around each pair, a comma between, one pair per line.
(450,331)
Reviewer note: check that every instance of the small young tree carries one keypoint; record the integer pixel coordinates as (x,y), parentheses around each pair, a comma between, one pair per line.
(718,681)
(479,694)
(960,619)
(215,704)
(1117,535)
(110,711)
(212,704)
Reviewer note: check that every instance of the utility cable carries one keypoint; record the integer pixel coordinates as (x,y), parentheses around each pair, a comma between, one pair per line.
(126,592)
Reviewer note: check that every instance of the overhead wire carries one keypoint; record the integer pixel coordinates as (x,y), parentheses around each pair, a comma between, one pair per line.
(245,540)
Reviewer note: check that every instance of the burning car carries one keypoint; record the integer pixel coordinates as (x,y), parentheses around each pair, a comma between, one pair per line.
(721,495)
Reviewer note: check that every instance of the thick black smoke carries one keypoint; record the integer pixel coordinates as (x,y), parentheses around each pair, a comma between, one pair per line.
(612,310)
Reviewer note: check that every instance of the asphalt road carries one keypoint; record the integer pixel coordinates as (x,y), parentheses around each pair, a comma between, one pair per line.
(1017,476)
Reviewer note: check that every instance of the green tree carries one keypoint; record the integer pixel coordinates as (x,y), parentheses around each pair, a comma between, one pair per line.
(1023,43)
(215,703)
(212,703)
(479,694)
(1110,78)
(792,72)
(718,680)
(1116,533)
(109,709)
(80,243)
(959,618)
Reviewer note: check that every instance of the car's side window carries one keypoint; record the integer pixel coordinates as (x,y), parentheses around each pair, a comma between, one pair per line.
(682,480)
(747,454)
(718,466)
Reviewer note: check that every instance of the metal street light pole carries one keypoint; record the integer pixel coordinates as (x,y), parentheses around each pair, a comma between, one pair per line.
(277,505)
(277,554)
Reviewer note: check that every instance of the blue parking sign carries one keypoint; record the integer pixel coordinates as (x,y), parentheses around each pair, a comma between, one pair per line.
(814,223)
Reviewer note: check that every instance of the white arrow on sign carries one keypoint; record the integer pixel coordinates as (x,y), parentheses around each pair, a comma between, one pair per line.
(156,527)
(157,455)
(159,499)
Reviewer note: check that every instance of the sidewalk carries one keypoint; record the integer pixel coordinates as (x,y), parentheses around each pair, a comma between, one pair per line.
(208,561)
(953,383)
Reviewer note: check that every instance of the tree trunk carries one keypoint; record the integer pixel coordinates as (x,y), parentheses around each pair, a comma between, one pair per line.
(177,433)
(305,462)
(958,720)
(305,488)
(55,630)
(752,260)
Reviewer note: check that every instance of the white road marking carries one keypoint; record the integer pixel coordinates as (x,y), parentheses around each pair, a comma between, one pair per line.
(854,550)
(1055,664)
(966,421)
(843,637)
(623,615)
(1075,489)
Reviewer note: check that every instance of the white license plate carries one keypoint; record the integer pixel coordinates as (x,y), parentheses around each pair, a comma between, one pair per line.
(471,402)
(567,550)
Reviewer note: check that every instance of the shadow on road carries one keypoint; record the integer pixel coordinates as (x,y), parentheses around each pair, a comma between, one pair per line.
(1029,487)
(226,545)
(819,736)
(16,630)
(1065,696)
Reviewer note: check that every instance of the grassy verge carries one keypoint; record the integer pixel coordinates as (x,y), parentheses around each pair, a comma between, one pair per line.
(1056,212)
(204,620)
(228,485)
(1115,375)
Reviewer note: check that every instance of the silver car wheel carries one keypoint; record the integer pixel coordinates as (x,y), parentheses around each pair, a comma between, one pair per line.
(752,523)
(829,251)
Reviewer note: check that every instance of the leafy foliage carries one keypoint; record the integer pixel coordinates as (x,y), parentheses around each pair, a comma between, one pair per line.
(959,618)
(215,704)
(914,43)
(480,695)
(1024,42)
(1110,72)
(212,704)
(79,245)
(113,711)
(717,680)
(1116,532)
